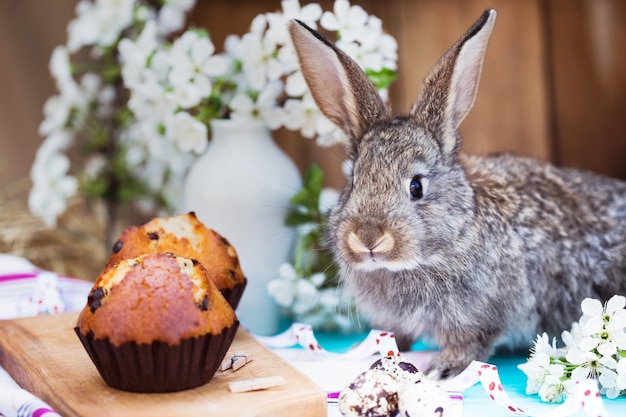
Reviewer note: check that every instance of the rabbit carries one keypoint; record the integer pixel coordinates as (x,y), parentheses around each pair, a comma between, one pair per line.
(472,252)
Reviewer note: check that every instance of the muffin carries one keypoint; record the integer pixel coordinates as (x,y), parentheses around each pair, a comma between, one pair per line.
(156,323)
(186,236)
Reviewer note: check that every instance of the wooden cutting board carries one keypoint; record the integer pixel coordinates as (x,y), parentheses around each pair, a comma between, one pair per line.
(44,356)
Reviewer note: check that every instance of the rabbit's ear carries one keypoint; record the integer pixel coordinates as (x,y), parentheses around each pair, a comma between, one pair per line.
(449,89)
(340,88)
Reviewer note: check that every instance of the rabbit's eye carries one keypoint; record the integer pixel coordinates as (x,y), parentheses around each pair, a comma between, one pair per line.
(415,188)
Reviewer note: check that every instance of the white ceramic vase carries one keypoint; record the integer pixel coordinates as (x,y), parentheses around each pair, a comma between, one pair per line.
(241,188)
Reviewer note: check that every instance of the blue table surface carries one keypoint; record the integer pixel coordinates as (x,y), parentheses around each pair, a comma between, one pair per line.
(476,401)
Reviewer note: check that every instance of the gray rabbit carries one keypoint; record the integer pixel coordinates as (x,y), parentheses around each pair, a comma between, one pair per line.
(472,251)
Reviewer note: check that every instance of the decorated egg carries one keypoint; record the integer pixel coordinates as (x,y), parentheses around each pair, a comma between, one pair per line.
(423,399)
(373,393)
(404,372)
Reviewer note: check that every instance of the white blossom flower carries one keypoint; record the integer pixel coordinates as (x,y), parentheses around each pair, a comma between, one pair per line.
(539,365)
(265,107)
(99,23)
(295,85)
(173,87)
(543,345)
(51,186)
(328,314)
(95,165)
(106,101)
(163,171)
(349,20)
(291,9)
(61,71)
(292,291)
(328,134)
(346,168)
(259,64)
(188,133)
(594,348)
(192,68)
(74,100)
(144,13)
(603,327)
(289,59)
(365,54)
(56,112)
(302,115)
(171,16)
(188,95)
(571,338)
(589,364)
(91,87)
(553,389)
(134,55)
(535,369)
(328,199)
(608,383)
(318,279)
(151,100)
(621,374)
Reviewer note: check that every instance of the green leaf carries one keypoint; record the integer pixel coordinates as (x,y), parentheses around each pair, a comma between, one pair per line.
(124,116)
(309,196)
(311,254)
(111,74)
(308,241)
(297,218)
(94,188)
(302,198)
(201,32)
(161,129)
(314,179)
(383,78)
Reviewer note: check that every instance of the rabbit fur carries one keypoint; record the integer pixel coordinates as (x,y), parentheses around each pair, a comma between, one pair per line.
(471,251)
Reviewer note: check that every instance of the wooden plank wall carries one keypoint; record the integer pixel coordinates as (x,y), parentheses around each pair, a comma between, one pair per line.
(29,31)
(587,46)
(553,86)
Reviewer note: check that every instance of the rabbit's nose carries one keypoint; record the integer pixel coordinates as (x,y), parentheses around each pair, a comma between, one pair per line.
(371,244)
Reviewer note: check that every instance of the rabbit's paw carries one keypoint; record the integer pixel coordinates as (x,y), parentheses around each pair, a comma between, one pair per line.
(442,368)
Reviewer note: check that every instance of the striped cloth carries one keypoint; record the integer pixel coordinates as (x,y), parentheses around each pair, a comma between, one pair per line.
(27,291)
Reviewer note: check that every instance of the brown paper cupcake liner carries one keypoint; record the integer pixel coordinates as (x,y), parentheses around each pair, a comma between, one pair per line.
(158,366)
(233,295)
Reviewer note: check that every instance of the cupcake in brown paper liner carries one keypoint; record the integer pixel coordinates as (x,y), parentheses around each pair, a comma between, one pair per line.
(186,236)
(156,323)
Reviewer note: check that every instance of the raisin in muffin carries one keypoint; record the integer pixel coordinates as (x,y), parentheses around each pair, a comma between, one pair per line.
(156,323)
(186,236)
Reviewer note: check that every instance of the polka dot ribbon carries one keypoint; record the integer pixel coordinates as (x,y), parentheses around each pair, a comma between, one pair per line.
(376,342)
(585,396)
